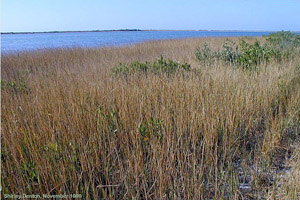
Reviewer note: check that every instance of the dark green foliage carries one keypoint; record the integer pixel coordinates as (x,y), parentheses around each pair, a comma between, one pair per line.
(205,55)
(284,40)
(30,173)
(15,86)
(152,127)
(159,66)
(110,117)
(230,53)
(255,54)
(18,84)
(244,55)
(278,46)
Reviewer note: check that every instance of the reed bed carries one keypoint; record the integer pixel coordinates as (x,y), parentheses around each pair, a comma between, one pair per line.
(70,127)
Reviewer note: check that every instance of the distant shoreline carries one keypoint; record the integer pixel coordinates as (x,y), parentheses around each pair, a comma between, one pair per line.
(124,30)
(118,30)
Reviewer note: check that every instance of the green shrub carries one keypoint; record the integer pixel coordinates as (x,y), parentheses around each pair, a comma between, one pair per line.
(159,66)
(278,46)
(15,86)
(18,84)
(244,54)
(151,128)
(284,40)
(255,54)
(109,117)
(230,53)
(205,55)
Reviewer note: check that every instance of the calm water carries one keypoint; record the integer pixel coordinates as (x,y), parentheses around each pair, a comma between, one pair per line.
(25,42)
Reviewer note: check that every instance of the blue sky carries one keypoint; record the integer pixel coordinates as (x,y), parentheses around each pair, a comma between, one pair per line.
(68,15)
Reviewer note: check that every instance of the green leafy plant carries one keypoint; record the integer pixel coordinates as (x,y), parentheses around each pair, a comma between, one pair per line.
(205,55)
(159,66)
(255,54)
(110,117)
(284,40)
(230,53)
(18,84)
(15,86)
(152,127)
(278,46)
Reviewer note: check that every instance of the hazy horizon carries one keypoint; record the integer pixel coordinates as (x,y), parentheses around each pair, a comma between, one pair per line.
(75,15)
(121,30)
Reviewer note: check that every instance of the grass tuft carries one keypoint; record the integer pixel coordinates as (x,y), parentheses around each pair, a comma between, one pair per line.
(166,131)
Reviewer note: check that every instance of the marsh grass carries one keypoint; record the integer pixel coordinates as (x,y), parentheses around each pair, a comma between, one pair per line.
(277,47)
(208,133)
(158,67)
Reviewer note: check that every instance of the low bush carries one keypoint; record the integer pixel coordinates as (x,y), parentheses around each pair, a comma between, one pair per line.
(278,46)
(230,53)
(205,55)
(284,40)
(15,86)
(255,54)
(160,65)
(151,128)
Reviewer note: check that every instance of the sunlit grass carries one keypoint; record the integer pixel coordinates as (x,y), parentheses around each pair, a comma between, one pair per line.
(69,126)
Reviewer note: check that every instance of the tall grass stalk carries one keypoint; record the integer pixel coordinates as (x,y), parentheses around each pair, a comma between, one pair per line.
(70,127)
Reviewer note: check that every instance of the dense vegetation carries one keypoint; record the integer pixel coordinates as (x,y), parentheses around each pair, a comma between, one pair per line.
(159,66)
(278,47)
(224,124)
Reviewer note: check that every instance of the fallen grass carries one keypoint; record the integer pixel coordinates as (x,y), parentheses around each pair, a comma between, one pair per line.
(214,132)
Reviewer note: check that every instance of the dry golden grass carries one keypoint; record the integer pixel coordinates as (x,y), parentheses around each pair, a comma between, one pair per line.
(288,184)
(215,132)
